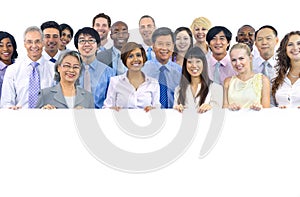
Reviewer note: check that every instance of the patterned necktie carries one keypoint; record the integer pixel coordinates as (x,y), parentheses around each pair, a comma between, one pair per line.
(87,79)
(163,87)
(53,60)
(34,86)
(149,56)
(217,73)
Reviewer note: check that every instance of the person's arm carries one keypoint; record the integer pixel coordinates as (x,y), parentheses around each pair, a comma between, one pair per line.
(8,97)
(225,94)
(266,92)
(110,100)
(156,96)
(102,88)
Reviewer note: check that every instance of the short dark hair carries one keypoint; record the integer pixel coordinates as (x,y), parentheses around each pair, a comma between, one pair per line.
(51,24)
(217,29)
(102,15)
(86,31)
(147,16)
(162,31)
(266,27)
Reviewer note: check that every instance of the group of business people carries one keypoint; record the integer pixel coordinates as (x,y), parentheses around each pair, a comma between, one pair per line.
(156,82)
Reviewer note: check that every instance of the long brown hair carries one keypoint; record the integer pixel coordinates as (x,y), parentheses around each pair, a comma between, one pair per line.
(283,62)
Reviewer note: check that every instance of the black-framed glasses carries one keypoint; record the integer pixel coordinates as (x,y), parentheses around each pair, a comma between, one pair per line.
(90,41)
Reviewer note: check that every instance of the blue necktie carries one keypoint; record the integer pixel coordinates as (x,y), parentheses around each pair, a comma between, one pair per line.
(34,85)
(217,73)
(149,56)
(163,87)
(53,60)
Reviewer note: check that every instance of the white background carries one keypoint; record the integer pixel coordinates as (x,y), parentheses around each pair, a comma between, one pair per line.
(257,154)
(283,15)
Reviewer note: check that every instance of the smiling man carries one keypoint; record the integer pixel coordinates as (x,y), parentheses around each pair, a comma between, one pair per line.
(167,72)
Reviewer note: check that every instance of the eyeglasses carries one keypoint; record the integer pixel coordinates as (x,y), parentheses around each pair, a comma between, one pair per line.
(90,41)
(68,67)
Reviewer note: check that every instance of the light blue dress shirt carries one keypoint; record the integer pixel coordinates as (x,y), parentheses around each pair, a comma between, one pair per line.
(100,75)
(172,73)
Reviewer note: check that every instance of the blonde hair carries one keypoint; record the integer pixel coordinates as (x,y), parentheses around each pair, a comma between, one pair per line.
(201,21)
(246,48)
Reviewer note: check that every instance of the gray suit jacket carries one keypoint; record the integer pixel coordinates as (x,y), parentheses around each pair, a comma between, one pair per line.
(106,57)
(54,96)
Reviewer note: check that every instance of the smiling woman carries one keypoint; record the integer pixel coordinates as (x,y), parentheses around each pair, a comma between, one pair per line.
(66,94)
(133,89)
(8,53)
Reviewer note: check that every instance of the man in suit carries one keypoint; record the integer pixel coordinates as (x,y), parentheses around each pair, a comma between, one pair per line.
(112,57)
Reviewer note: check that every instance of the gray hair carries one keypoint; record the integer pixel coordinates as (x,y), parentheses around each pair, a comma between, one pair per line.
(32,29)
(61,57)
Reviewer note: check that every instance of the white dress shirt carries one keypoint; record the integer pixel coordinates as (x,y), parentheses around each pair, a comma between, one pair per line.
(288,94)
(16,81)
(214,96)
(122,94)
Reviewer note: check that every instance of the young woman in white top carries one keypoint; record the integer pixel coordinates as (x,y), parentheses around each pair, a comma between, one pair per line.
(286,86)
(133,89)
(194,87)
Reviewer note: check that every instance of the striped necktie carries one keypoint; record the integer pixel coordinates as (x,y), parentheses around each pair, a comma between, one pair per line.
(163,87)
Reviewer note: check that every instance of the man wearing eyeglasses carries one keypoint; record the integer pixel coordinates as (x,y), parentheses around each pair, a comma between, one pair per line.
(95,75)
(112,57)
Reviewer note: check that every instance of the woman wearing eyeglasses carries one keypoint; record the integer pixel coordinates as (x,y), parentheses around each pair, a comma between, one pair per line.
(66,94)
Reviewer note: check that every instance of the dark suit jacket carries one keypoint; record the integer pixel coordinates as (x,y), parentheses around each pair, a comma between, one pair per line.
(54,96)
(106,57)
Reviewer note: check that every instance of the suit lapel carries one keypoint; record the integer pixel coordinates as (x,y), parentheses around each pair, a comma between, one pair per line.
(58,95)
(79,97)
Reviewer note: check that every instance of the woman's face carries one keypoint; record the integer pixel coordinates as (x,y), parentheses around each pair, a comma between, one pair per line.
(241,62)
(135,60)
(69,69)
(194,66)
(65,39)
(183,41)
(293,48)
(6,50)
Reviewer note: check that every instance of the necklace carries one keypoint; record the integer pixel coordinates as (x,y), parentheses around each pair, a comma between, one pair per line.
(293,76)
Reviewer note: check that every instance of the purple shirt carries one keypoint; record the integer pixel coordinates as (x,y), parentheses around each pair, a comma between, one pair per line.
(226,69)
